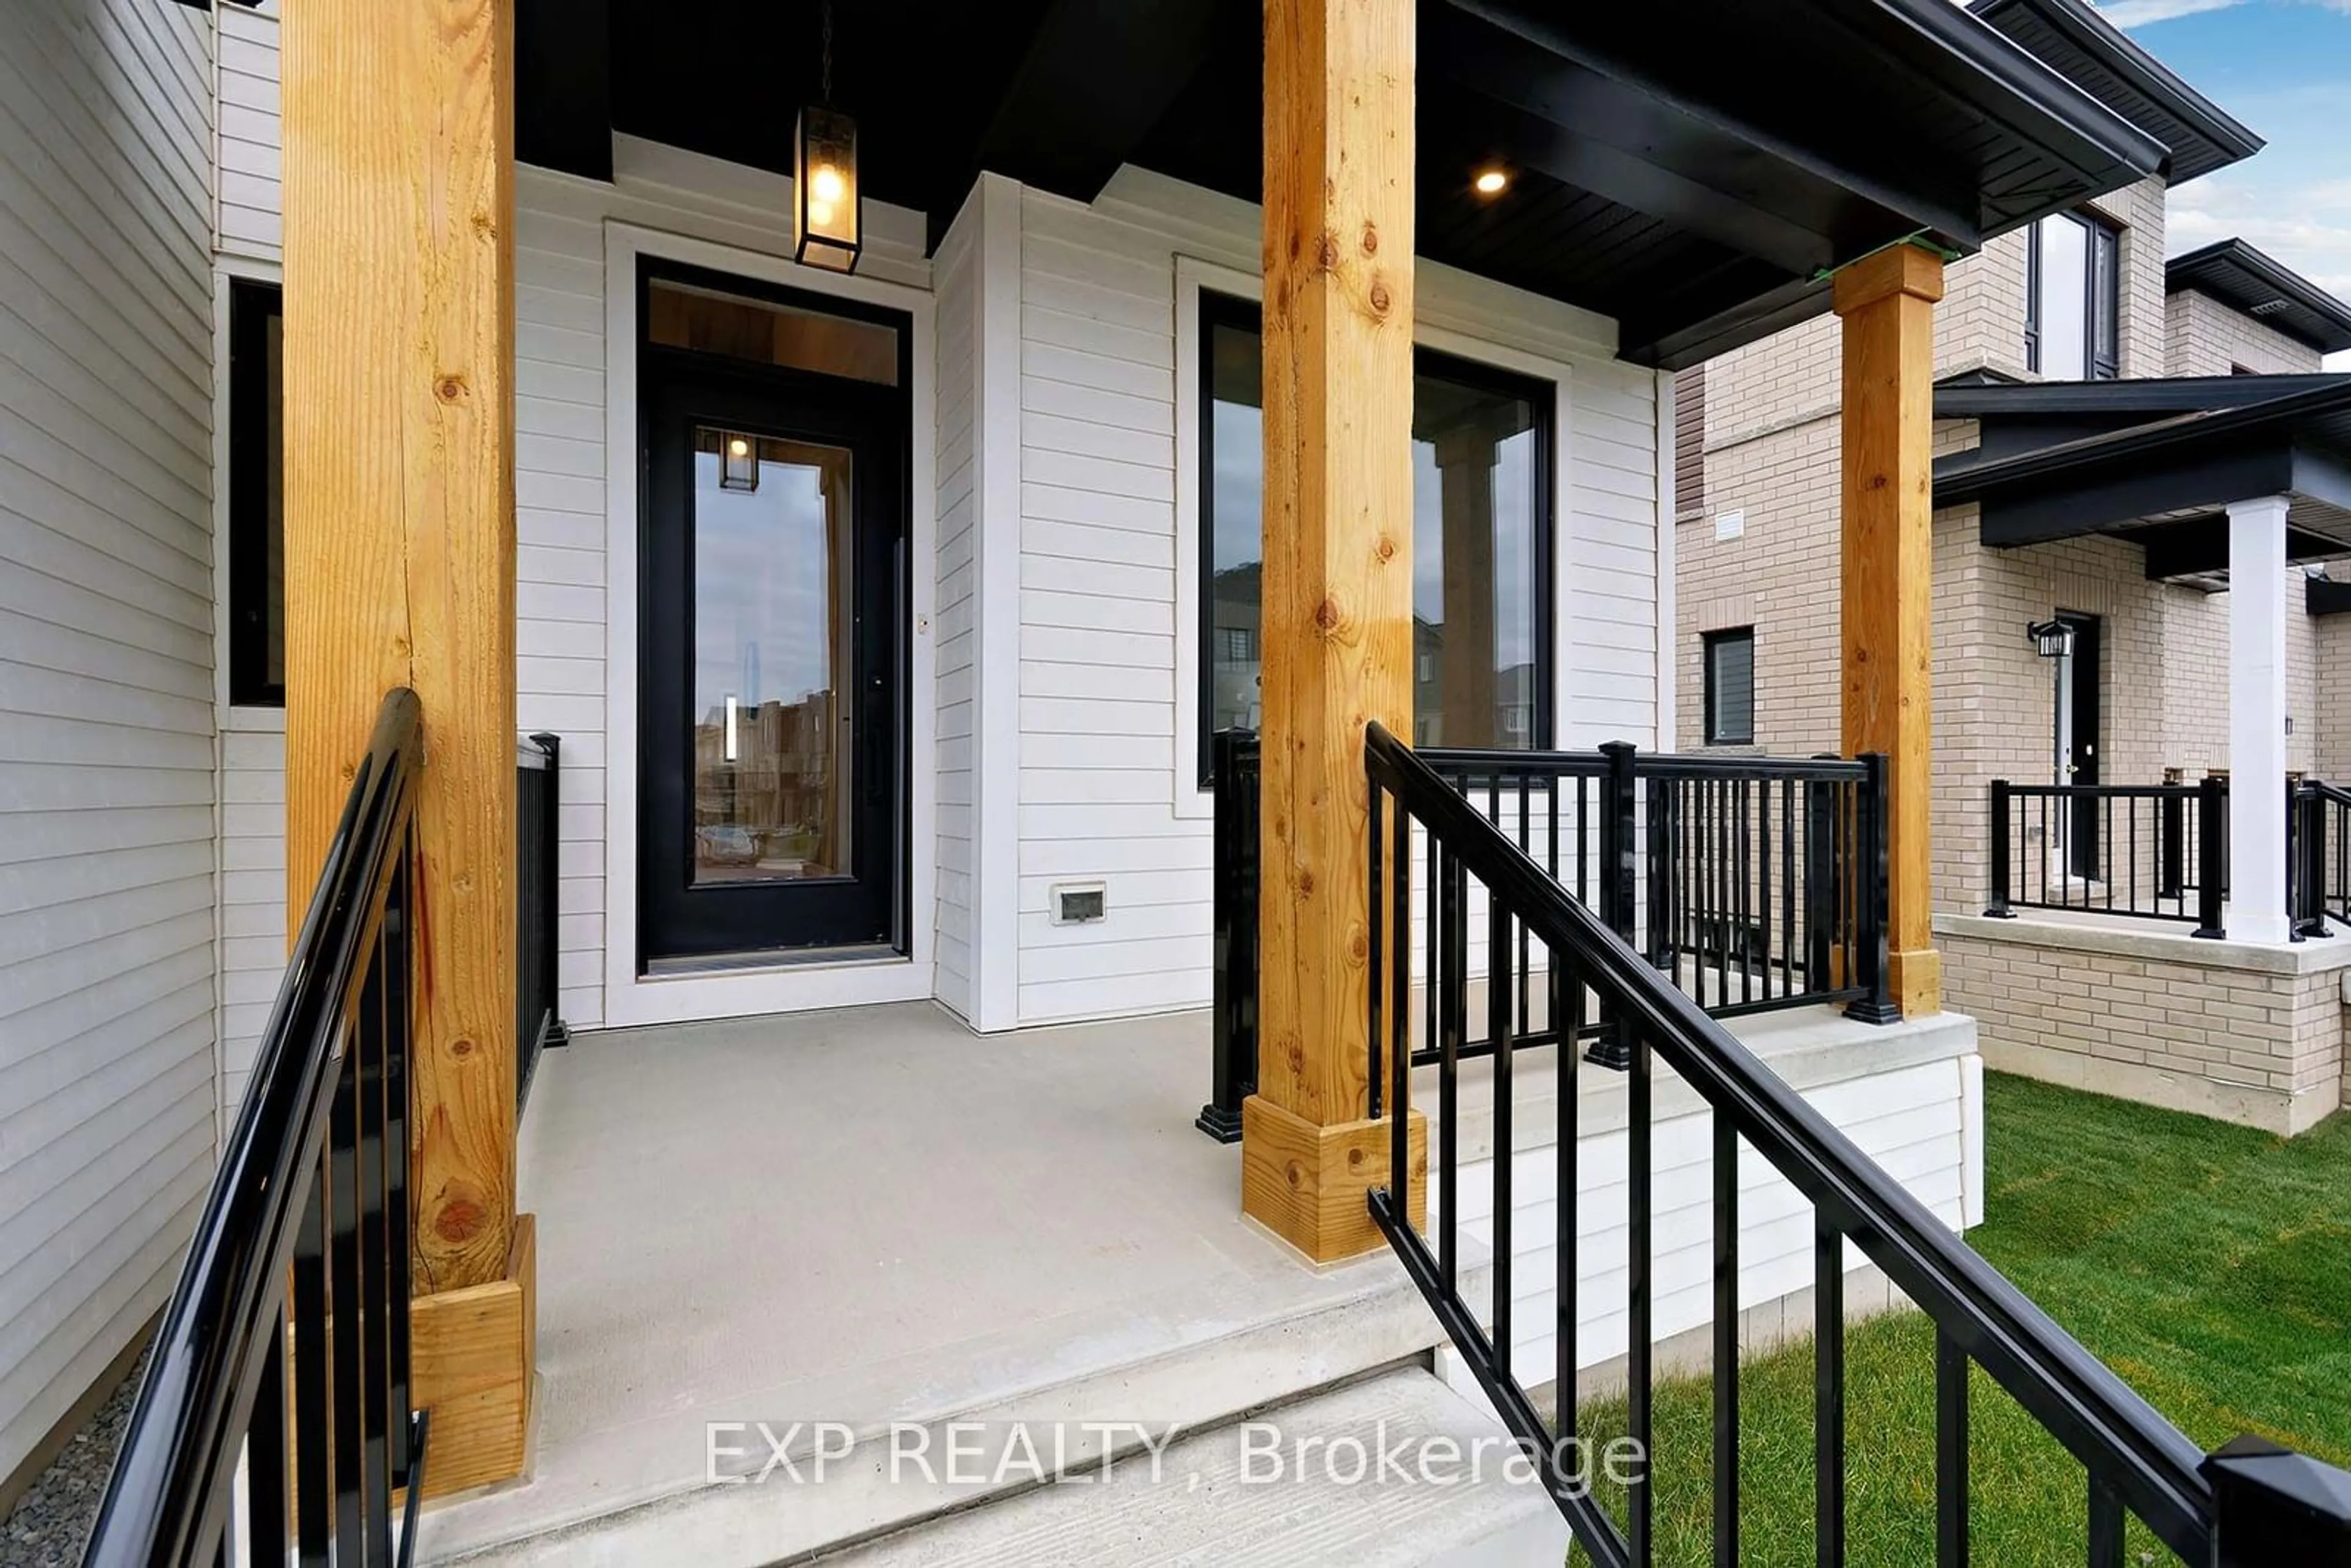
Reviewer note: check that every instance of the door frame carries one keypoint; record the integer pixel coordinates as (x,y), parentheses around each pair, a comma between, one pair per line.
(791,984)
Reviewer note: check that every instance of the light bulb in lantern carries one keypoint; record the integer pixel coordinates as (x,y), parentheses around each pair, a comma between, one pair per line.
(826,185)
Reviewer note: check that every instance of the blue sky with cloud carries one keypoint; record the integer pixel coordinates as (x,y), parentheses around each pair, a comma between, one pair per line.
(2282,67)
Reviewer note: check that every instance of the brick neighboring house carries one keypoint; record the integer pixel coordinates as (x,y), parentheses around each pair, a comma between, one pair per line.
(2250,1028)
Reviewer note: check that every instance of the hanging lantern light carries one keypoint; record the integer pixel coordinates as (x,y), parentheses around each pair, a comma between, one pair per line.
(828,230)
(738,463)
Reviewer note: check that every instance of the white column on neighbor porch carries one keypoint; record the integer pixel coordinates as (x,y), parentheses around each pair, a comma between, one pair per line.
(2256,909)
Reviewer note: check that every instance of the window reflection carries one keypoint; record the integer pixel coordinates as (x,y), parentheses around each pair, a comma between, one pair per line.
(1481,517)
(771,628)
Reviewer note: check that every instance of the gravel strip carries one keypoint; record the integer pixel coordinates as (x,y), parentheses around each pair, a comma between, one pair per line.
(51,1523)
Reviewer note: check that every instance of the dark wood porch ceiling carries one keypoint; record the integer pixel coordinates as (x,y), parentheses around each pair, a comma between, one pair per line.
(1690,168)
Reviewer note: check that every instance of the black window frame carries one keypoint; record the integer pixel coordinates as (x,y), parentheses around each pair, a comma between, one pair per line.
(1220,310)
(253,305)
(2101,290)
(1710,642)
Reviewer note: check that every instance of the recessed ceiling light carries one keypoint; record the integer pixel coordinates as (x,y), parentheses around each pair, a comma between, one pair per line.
(1490,182)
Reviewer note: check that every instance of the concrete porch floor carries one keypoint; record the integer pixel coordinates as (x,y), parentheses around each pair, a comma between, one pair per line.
(871,1215)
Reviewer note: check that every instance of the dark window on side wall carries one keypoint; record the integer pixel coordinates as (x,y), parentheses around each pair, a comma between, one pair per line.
(1730,687)
(256,515)
(1482,529)
(2073,299)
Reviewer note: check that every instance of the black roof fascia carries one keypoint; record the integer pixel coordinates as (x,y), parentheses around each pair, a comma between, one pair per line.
(2325,596)
(2096,502)
(2247,280)
(2098,400)
(2203,136)
(2164,442)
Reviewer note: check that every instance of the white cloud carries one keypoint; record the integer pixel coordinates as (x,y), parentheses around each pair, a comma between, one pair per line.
(2141,13)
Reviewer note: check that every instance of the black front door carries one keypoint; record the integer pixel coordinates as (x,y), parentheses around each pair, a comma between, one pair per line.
(771,758)
(2082,751)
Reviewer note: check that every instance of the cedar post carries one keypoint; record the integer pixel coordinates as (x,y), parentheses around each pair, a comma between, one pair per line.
(1337,596)
(1888,303)
(400,570)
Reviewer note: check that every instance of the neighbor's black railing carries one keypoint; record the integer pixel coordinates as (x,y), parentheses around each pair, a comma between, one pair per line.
(1755,882)
(299,1268)
(2319,832)
(2241,1506)
(538,1023)
(2159,851)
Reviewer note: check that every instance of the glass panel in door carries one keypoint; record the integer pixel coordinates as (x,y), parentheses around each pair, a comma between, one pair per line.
(774,622)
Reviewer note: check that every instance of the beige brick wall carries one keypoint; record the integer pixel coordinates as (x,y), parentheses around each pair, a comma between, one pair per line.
(2330,641)
(1771,437)
(2208,338)
(2251,1045)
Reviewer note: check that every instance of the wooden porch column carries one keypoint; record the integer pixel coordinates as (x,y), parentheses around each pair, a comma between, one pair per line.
(400,570)
(1887,301)
(1337,592)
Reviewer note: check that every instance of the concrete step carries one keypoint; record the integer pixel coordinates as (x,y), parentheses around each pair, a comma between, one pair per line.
(1210,1356)
(1242,1494)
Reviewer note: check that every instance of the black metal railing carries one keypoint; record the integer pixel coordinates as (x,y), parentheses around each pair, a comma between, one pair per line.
(2319,830)
(1754,883)
(2238,1506)
(2158,850)
(287,1332)
(539,799)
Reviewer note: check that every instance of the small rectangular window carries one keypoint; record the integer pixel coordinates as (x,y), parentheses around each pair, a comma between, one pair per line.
(256,515)
(1730,687)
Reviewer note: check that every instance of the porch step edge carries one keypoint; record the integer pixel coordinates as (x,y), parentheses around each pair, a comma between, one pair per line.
(1197,1386)
(1276,1491)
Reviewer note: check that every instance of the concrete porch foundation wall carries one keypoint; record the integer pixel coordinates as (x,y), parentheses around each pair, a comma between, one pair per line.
(1909,1094)
(2246,1034)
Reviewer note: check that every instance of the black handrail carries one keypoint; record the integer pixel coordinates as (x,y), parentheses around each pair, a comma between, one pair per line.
(538,802)
(1756,883)
(313,1184)
(2136,1459)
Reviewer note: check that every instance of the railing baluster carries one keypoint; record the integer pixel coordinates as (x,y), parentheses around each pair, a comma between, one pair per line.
(369,1047)
(1498,1023)
(1400,1048)
(314,1486)
(1375,992)
(397,939)
(346,1299)
(1950,1452)
(1567,1256)
(1457,987)
(1828,1391)
(1638,1394)
(1725,1340)
(1763,875)
(2105,1527)
(265,1493)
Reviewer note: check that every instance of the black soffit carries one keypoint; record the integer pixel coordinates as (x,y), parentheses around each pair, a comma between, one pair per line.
(1690,168)
(2245,279)
(2096,56)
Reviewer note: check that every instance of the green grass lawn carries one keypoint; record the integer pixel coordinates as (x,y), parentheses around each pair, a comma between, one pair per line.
(2209,1265)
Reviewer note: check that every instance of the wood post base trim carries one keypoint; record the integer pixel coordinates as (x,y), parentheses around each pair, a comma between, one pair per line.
(1307,1183)
(473,1354)
(1915,978)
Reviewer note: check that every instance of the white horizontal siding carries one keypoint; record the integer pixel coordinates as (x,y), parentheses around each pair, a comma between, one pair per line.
(1104,698)
(955,618)
(252,928)
(247,210)
(106,965)
(1912,1120)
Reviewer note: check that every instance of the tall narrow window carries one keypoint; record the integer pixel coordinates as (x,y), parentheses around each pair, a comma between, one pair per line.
(2073,299)
(1481,528)
(1730,687)
(257,516)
